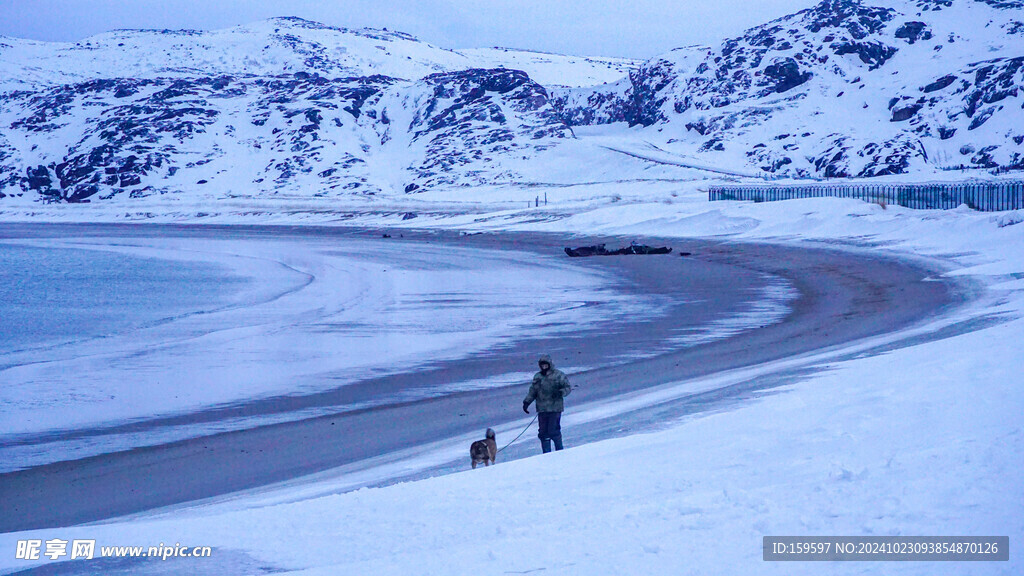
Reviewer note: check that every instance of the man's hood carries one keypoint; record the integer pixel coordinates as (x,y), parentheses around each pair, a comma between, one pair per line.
(546,358)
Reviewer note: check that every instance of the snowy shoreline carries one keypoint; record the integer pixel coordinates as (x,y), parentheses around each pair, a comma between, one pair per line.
(852,449)
(284,280)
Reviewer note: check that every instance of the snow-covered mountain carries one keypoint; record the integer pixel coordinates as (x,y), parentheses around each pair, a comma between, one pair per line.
(844,88)
(274,47)
(271,134)
(280,106)
(287,106)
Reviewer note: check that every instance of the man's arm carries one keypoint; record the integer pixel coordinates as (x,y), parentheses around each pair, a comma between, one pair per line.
(564,386)
(532,394)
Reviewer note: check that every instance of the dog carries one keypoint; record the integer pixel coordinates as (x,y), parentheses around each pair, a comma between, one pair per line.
(485,450)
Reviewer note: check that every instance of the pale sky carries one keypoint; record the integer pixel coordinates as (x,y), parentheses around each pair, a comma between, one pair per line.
(637,29)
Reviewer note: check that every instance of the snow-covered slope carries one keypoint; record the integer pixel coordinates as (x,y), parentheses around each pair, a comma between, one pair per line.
(273,47)
(555,69)
(845,88)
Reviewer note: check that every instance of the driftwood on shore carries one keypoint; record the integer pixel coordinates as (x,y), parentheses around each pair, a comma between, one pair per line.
(600,250)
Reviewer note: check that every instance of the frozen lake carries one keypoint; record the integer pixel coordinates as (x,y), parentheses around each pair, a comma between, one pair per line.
(52,297)
(117,339)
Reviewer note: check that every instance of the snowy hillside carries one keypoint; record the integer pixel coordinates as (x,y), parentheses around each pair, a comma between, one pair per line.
(273,47)
(281,106)
(555,69)
(300,133)
(291,107)
(841,89)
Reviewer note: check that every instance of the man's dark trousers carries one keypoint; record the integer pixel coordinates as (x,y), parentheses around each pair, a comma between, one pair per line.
(549,426)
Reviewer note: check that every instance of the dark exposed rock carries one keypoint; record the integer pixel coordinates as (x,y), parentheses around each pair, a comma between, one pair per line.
(858,20)
(778,164)
(984,158)
(874,54)
(834,161)
(902,114)
(786,75)
(981,118)
(1004,4)
(127,180)
(939,84)
(81,192)
(914,31)
(712,144)
(698,127)
(646,98)
(590,107)
(38,178)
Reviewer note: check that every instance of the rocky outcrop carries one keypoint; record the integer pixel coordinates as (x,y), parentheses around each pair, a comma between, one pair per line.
(475,117)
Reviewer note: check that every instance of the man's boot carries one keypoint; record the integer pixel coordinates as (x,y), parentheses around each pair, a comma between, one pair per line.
(558,441)
(545,445)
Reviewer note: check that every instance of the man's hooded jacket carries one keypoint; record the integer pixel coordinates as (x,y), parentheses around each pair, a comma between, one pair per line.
(548,389)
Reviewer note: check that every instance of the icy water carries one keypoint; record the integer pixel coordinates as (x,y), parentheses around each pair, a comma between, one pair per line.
(154,335)
(151,336)
(49,297)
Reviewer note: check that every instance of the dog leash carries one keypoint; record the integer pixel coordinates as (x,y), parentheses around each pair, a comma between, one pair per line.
(520,434)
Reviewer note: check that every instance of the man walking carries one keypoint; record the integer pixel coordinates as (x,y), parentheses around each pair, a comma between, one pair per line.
(549,386)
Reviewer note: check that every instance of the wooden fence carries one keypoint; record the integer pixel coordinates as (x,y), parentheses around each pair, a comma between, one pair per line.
(984,196)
